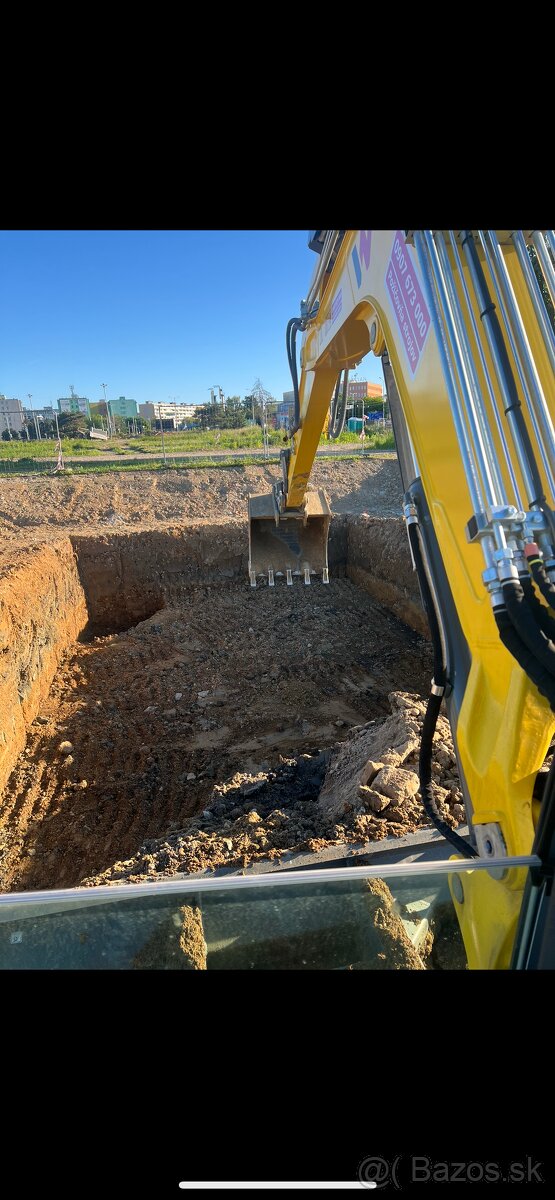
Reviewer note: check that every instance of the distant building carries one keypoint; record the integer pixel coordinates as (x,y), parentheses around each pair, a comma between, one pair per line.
(175,414)
(285,410)
(44,414)
(122,407)
(12,416)
(359,389)
(74,404)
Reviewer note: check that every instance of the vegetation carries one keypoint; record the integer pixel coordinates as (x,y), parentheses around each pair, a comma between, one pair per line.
(175,443)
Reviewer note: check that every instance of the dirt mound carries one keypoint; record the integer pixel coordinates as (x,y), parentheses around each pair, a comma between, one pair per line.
(289,808)
(378,768)
(42,507)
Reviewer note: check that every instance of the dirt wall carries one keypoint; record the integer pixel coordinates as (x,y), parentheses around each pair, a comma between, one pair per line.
(109,582)
(379,561)
(127,577)
(42,611)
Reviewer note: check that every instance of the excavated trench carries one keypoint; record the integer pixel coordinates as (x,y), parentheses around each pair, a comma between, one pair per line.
(139,669)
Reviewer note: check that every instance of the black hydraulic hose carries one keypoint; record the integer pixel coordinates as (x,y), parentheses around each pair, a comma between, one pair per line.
(426,788)
(525,659)
(488,314)
(541,579)
(339,406)
(541,614)
(440,670)
(291,344)
(434,703)
(529,632)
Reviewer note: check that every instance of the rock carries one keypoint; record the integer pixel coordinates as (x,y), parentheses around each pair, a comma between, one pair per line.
(200,694)
(65,747)
(369,772)
(190,775)
(375,801)
(250,789)
(42,720)
(207,814)
(458,812)
(151,708)
(396,783)
(169,712)
(68,762)
(178,695)
(83,784)
(31,853)
(339,722)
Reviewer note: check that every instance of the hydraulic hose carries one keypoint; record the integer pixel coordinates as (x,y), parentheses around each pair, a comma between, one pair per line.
(425,774)
(440,669)
(291,344)
(522,617)
(540,613)
(512,641)
(539,574)
(434,702)
(339,408)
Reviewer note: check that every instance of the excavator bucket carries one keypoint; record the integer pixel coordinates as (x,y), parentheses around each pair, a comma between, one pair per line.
(291,543)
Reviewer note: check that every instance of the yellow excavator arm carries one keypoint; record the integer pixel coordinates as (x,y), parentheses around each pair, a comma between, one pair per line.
(462,322)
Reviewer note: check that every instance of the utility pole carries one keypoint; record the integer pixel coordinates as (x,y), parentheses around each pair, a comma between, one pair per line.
(37,430)
(162,430)
(108,415)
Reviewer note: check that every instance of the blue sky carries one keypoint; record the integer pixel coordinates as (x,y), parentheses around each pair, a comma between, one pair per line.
(154,314)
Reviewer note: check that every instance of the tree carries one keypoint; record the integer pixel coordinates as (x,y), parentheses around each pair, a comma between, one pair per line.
(6,435)
(72,425)
(259,398)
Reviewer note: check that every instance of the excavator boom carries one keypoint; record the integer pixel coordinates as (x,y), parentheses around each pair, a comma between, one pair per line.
(463,320)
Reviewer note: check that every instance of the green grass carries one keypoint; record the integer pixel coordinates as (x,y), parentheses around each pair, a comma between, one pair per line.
(176,443)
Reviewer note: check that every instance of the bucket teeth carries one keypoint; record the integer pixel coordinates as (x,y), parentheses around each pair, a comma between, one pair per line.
(252,578)
(307,574)
(289,576)
(270,577)
(325,575)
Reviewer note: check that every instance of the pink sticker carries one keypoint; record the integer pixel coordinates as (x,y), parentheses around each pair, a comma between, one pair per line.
(407,298)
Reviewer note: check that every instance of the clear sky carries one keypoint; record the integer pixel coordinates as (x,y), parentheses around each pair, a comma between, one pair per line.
(154,314)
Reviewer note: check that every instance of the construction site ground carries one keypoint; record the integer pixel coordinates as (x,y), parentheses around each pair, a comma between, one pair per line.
(213,732)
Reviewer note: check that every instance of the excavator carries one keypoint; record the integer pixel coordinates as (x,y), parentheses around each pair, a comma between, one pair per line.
(463,322)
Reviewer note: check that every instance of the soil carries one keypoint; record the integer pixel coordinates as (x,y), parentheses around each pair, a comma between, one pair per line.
(230,726)
(34,508)
(226,680)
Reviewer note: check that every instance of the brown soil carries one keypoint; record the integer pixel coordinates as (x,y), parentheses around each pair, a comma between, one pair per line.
(265,814)
(214,731)
(36,506)
(225,680)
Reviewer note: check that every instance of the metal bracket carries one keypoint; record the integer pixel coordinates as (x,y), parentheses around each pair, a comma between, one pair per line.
(491,844)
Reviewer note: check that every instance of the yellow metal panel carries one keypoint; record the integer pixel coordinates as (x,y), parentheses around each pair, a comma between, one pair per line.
(504,726)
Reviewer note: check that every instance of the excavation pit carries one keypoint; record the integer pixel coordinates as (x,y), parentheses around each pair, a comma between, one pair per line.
(166,673)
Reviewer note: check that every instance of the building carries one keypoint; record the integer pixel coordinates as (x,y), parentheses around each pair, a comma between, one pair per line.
(285,410)
(74,404)
(176,414)
(12,416)
(359,389)
(122,407)
(44,414)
